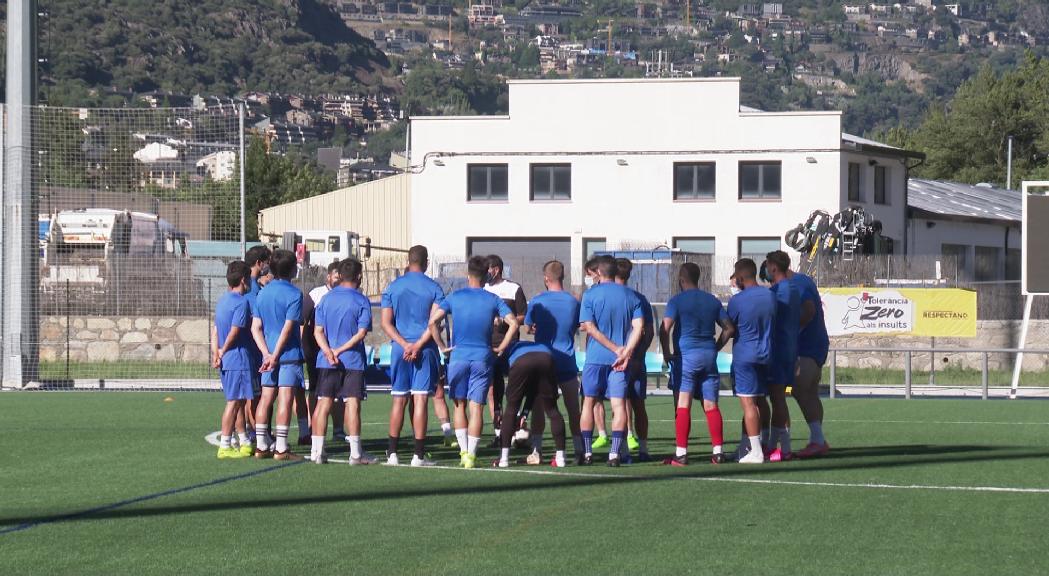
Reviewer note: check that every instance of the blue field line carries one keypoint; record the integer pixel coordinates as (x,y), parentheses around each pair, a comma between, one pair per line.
(146,498)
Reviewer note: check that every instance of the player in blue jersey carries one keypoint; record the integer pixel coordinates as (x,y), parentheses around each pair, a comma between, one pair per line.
(473,312)
(258,260)
(407,305)
(612,317)
(343,318)
(533,373)
(590,280)
(233,358)
(277,316)
(690,322)
(753,312)
(813,345)
(637,375)
(784,352)
(553,317)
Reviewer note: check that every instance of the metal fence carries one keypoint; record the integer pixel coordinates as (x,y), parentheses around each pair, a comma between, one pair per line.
(115,197)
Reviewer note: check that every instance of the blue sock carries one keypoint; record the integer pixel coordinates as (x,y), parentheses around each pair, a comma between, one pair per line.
(617,441)
(588,440)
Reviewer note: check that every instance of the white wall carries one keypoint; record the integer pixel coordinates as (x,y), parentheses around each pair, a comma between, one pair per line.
(893,215)
(647,124)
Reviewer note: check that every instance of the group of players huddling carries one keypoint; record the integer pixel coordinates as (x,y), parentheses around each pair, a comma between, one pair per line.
(266,328)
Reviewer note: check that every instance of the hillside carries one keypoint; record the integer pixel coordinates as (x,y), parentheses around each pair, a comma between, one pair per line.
(216,47)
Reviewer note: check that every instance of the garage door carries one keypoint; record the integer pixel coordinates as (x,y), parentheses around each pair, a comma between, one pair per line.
(524,257)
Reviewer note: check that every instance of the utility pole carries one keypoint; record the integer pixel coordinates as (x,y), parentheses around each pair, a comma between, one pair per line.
(1009,166)
(19,262)
(688,13)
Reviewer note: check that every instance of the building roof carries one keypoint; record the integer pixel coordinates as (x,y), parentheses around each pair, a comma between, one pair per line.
(964,201)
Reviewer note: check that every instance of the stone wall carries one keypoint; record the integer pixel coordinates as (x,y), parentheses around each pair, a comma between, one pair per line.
(990,334)
(112,339)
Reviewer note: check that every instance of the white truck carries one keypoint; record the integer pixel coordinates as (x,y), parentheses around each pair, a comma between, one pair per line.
(322,247)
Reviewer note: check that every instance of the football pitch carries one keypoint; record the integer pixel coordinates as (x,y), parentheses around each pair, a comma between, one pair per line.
(125,483)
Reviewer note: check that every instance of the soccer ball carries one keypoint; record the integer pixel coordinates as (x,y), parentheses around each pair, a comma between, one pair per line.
(521,438)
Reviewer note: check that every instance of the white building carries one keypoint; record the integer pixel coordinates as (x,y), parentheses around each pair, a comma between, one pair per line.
(218,166)
(583,165)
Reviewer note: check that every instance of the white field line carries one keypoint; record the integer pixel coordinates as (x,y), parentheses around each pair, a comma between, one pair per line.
(874,486)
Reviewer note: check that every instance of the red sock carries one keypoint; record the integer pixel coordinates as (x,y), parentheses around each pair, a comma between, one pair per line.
(682,426)
(716,427)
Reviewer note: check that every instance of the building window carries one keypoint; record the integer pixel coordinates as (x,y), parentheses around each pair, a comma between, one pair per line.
(592,246)
(757,248)
(760,180)
(694,180)
(487,182)
(551,181)
(881,194)
(695,245)
(986,264)
(854,182)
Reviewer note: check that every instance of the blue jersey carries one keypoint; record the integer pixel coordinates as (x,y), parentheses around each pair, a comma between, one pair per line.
(232,310)
(555,316)
(473,311)
(695,314)
(753,311)
(788,322)
(647,317)
(342,313)
(812,341)
(277,303)
(611,308)
(411,297)
(521,348)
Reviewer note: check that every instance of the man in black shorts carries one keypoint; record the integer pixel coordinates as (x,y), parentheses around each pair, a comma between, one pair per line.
(533,374)
(511,293)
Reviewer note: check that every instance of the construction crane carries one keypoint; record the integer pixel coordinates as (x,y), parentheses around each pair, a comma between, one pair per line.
(821,236)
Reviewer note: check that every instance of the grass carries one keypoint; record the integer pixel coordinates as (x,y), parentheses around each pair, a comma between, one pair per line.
(70,452)
(126,369)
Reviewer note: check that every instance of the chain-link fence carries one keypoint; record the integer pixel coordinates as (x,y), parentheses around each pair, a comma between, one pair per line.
(119,198)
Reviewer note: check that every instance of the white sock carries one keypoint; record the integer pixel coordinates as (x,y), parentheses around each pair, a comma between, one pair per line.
(224,442)
(717,449)
(755,445)
(446,429)
(460,436)
(774,434)
(282,438)
(243,437)
(471,444)
(602,434)
(642,445)
(317,446)
(679,451)
(304,426)
(816,433)
(497,432)
(504,456)
(784,440)
(262,436)
(559,457)
(355,446)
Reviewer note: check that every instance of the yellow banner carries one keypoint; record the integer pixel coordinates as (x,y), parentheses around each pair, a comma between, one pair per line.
(935,312)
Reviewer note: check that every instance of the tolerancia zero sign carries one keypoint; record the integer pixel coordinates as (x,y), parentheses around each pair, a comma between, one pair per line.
(939,312)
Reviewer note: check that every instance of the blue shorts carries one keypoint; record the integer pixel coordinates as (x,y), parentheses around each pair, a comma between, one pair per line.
(601,381)
(637,380)
(750,379)
(782,373)
(696,370)
(238,384)
(419,377)
(284,376)
(469,380)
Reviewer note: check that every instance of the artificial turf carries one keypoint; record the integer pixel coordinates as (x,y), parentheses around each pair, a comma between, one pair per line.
(848,513)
